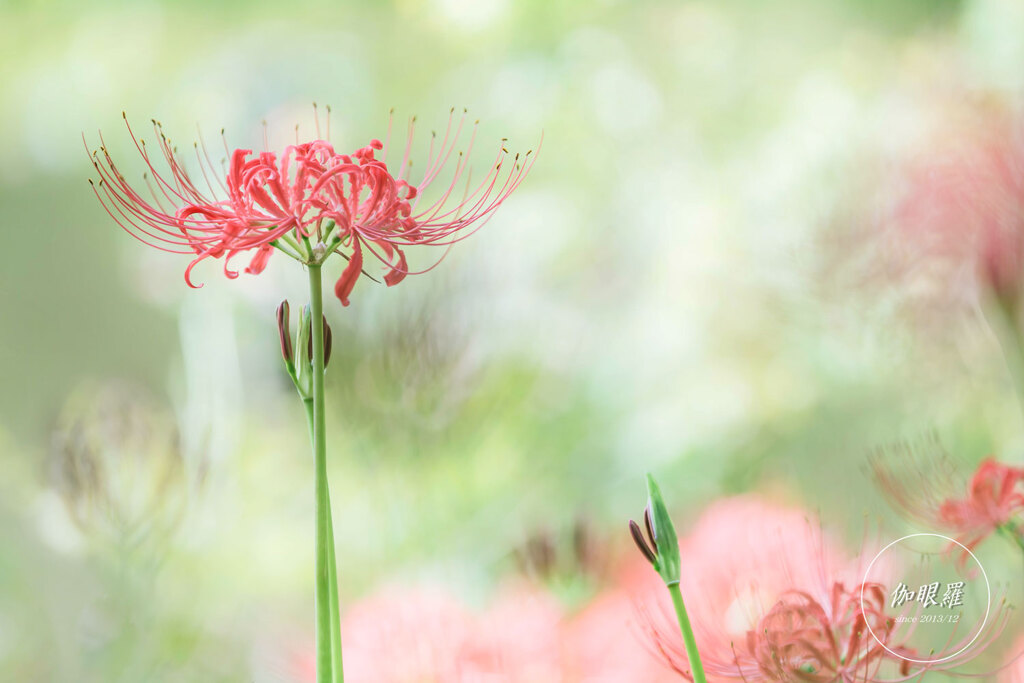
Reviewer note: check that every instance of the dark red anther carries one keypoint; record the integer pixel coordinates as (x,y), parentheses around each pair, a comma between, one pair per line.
(638,538)
(650,528)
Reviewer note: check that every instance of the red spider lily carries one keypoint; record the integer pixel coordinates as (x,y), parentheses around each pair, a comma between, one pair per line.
(994,498)
(928,489)
(308,202)
(788,608)
(800,638)
(803,638)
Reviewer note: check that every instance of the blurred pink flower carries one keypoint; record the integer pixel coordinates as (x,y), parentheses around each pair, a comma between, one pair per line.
(519,638)
(402,636)
(964,203)
(407,636)
(995,496)
(927,488)
(605,641)
(743,555)
(753,571)
(772,598)
(426,636)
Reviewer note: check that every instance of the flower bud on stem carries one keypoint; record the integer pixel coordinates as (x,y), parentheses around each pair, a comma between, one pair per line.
(327,344)
(661,548)
(284,332)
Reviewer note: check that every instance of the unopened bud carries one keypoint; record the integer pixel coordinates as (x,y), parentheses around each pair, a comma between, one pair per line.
(328,336)
(302,364)
(327,344)
(284,331)
(663,534)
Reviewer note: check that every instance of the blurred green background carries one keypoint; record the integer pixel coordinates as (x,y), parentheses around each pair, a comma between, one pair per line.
(682,285)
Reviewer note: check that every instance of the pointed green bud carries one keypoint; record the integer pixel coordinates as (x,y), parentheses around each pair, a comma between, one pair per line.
(305,371)
(327,344)
(665,539)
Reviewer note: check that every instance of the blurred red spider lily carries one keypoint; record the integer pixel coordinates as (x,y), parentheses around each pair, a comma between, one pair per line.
(927,488)
(408,634)
(801,638)
(827,642)
(964,204)
(789,607)
(308,202)
(994,498)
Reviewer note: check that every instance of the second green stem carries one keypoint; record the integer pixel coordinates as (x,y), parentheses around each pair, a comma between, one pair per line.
(696,667)
(332,565)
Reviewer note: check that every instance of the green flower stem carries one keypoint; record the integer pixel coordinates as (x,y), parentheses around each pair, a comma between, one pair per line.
(1011,533)
(332,567)
(327,669)
(696,668)
(1007,328)
(1015,361)
(336,663)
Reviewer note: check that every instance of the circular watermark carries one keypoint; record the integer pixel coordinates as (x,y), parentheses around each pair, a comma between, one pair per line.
(928,596)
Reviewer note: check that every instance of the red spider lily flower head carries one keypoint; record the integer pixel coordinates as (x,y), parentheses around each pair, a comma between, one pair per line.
(924,485)
(845,639)
(994,499)
(776,611)
(309,201)
(801,638)
(789,607)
